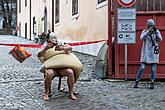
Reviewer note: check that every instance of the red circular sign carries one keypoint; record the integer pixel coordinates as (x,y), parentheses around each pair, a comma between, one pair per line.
(127,3)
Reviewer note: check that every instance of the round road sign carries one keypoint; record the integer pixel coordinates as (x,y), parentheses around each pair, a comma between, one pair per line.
(127,3)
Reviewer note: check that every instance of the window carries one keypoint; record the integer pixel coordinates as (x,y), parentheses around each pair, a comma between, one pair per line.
(19,29)
(25,3)
(100,1)
(57,12)
(74,7)
(150,5)
(34,25)
(25,30)
(19,6)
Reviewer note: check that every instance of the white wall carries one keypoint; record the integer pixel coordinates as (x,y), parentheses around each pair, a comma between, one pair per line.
(23,18)
(37,7)
(90,25)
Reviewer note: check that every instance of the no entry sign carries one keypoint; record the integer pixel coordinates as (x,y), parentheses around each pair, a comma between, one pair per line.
(127,3)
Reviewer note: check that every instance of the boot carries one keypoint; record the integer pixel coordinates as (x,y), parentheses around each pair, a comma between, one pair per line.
(136,84)
(152,85)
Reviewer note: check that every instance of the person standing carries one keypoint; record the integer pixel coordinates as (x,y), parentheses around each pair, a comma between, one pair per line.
(151,38)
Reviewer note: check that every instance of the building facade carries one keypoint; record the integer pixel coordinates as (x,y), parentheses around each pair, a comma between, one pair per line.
(91,20)
(71,20)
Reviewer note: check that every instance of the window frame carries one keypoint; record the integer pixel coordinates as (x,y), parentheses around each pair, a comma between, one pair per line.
(55,12)
(19,6)
(26,30)
(25,3)
(102,3)
(34,24)
(76,13)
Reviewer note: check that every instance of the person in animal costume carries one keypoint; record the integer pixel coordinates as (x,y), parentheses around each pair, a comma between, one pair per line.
(58,60)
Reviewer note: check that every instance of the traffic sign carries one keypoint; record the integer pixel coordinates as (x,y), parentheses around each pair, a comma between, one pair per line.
(126,38)
(126,30)
(127,3)
(126,25)
(126,13)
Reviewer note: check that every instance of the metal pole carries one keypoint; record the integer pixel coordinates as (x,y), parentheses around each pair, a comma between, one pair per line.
(109,40)
(125,57)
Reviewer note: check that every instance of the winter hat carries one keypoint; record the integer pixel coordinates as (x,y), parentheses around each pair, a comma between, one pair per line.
(150,22)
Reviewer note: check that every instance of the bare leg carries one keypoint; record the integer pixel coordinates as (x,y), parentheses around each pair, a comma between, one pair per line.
(49,73)
(70,81)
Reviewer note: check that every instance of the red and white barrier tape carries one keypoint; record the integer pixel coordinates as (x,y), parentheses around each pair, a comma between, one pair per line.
(39,45)
(23,45)
(84,43)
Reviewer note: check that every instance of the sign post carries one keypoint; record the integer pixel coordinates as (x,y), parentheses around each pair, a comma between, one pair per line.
(126,26)
(126,33)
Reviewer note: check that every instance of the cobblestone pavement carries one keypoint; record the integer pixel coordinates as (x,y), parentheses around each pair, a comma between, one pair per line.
(21,87)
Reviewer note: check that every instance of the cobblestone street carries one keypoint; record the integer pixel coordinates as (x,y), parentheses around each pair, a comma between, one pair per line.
(22,87)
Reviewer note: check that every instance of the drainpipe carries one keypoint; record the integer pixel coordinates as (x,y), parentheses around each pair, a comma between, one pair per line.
(30,21)
(116,46)
(52,15)
(45,20)
(17,17)
(109,40)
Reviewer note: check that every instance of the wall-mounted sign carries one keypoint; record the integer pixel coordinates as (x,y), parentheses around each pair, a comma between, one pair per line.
(127,3)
